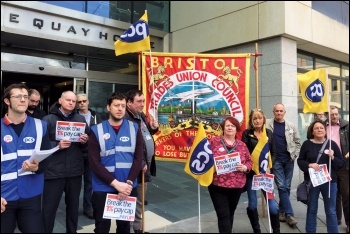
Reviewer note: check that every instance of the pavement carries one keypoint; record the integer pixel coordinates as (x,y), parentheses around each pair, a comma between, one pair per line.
(177,204)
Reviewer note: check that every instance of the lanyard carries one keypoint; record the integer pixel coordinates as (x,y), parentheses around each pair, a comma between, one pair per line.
(231,150)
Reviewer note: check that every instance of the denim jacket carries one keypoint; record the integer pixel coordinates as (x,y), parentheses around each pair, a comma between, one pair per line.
(292,137)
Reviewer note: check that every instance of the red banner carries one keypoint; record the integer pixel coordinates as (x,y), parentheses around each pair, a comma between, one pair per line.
(182,90)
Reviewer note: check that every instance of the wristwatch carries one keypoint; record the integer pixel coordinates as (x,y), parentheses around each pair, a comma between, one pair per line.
(129,182)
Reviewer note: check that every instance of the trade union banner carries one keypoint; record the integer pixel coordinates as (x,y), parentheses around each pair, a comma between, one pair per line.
(182,90)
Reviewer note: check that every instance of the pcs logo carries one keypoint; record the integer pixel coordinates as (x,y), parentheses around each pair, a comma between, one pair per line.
(202,158)
(136,32)
(315,91)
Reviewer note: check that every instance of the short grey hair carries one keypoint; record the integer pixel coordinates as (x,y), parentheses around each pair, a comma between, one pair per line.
(82,95)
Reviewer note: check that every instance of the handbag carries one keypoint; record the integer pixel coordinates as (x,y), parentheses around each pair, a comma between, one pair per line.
(304,187)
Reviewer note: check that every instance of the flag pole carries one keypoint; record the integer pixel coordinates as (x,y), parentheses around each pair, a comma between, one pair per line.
(199,208)
(256,68)
(143,201)
(330,135)
(193,118)
(139,71)
(268,210)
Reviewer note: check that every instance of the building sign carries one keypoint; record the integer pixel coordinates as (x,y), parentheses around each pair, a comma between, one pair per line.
(184,89)
(62,28)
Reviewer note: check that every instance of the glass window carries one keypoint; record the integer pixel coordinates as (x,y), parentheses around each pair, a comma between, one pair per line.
(73,62)
(337,10)
(106,65)
(74,5)
(338,75)
(99,93)
(127,11)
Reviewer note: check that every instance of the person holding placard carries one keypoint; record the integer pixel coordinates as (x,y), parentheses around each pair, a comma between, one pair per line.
(115,156)
(308,158)
(259,141)
(66,167)
(226,188)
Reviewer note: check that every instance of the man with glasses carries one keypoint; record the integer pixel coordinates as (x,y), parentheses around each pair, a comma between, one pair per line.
(91,118)
(33,105)
(20,135)
(338,131)
(287,141)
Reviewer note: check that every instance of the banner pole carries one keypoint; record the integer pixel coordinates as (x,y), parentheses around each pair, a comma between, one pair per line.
(257,106)
(143,201)
(256,76)
(139,71)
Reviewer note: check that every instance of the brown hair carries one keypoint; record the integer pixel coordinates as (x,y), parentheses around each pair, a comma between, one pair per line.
(310,129)
(8,90)
(232,120)
(252,112)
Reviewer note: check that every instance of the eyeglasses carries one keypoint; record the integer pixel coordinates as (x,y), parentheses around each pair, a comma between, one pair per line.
(82,101)
(19,96)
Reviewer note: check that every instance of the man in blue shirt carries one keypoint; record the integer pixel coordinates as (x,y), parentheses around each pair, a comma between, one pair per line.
(287,141)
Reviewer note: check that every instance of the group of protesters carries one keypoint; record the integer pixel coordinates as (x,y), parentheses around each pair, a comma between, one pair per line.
(271,146)
(109,155)
(117,156)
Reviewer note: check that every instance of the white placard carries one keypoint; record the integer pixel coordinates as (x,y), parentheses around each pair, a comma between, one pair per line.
(119,209)
(69,130)
(227,163)
(319,177)
(264,182)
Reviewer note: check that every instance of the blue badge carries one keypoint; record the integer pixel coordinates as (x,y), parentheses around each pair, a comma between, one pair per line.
(201,159)
(315,91)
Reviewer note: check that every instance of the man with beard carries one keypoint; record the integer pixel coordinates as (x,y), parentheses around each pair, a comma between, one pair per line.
(115,154)
(33,105)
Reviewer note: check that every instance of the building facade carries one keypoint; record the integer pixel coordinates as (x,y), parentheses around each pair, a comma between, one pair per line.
(55,46)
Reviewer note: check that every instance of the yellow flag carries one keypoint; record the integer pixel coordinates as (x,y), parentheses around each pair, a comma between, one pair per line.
(200,163)
(314,91)
(261,156)
(136,38)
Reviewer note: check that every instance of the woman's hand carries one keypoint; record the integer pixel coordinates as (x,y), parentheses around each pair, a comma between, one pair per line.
(315,166)
(330,153)
(241,167)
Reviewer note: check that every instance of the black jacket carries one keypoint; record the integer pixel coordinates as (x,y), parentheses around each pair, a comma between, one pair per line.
(344,139)
(251,141)
(67,162)
(39,114)
(151,167)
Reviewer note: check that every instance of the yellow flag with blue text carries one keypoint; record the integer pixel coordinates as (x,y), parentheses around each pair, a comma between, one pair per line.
(136,38)
(314,90)
(200,163)
(261,156)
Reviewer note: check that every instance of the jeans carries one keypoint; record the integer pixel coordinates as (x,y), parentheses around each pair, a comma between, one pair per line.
(253,201)
(329,208)
(283,172)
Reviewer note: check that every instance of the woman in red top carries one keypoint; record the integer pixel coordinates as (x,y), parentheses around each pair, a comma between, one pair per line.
(226,188)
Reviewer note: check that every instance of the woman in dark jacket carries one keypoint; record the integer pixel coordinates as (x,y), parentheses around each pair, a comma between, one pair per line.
(251,137)
(308,159)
